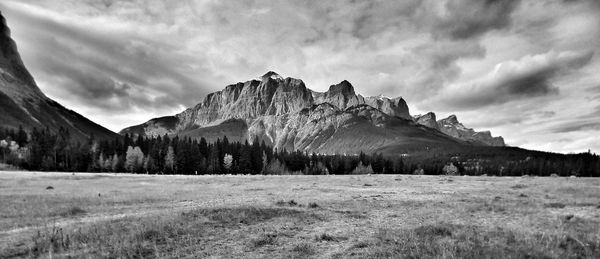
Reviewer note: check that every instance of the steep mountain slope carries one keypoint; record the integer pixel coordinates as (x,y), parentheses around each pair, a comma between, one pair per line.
(23,103)
(452,127)
(284,113)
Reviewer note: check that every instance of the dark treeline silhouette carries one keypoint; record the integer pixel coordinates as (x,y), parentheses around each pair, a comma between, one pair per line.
(57,151)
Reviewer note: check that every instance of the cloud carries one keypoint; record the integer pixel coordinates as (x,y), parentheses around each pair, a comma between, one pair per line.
(593,89)
(578,126)
(438,64)
(530,76)
(464,19)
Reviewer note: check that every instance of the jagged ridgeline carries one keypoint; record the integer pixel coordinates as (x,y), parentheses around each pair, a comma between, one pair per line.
(286,114)
(451,126)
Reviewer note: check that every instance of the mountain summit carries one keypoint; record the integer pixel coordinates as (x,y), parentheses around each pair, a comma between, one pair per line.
(22,103)
(284,113)
(271,75)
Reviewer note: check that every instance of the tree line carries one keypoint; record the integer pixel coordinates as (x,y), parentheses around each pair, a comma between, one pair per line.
(45,150)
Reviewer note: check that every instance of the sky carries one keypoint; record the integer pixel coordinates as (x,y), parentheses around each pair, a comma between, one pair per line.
(526,70)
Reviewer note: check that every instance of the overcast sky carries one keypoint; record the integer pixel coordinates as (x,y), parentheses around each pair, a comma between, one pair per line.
(526,70)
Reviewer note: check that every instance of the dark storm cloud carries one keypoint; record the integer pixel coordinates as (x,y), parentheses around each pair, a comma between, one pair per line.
(593,3)
(464,19)
(536,83)
(378,16)
(439,64)
(531,76)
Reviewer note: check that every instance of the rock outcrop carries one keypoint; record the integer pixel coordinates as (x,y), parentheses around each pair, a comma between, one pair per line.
(428,120)
(22,103)
(343,96)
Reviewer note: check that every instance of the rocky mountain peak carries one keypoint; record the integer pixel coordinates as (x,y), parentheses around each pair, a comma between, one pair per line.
(395,107)
(344,88)
(340,95)
(430,115)
(452,119)
(428,120)
(271,75)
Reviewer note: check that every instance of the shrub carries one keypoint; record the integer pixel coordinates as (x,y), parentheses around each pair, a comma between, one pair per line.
(263,240)
(243,215)
(555,205)
(68,212)
(286,203)
(518,186)
(324,237)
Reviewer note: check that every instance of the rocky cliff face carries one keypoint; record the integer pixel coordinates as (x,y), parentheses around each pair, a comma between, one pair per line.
(343,96)
(22,103)
(452,127)
(272,95)
(428,120)
(284,113)
(394,107)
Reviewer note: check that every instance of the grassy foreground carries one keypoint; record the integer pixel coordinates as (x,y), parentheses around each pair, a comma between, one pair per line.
(378,216)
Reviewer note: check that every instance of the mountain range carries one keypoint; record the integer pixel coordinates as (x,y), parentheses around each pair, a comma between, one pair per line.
(284,113)
(280,111)
(22,103)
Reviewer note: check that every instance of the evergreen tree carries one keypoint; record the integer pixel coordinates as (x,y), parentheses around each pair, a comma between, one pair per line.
(377,164)
(21,137)
(245,163)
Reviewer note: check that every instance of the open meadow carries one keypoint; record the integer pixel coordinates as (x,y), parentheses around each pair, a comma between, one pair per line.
(353,216)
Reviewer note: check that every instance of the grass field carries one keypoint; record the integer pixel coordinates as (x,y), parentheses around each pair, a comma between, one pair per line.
(368,216)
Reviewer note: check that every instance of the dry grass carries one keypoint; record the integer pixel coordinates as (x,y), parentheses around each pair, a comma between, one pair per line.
(171,236)
(297,216)
(460,241)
